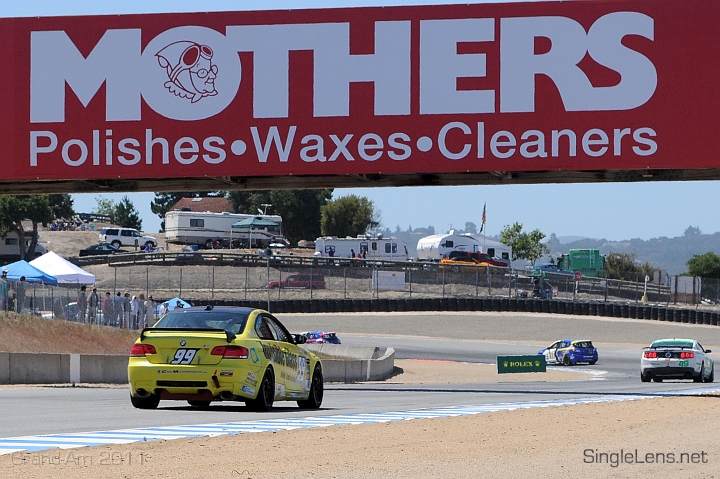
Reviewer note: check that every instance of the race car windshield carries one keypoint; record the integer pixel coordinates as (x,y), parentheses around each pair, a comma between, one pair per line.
(672,344)
(183,319)
(583,344)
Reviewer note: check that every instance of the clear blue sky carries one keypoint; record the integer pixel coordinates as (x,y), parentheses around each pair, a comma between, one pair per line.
(617,211)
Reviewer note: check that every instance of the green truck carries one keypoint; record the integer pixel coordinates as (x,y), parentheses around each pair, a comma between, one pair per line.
(588,261)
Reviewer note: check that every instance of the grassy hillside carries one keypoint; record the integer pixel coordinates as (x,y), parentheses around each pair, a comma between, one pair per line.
(30,334)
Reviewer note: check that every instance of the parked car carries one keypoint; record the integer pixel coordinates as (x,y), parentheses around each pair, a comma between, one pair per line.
(457,259)
(300,281)
(551,269)
(101,249)
(258,361)
(676,359)
(570,351)
(125,237)
(321,337)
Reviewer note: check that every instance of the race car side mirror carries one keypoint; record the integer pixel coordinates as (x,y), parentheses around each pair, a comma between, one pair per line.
(299,338)
(708,350)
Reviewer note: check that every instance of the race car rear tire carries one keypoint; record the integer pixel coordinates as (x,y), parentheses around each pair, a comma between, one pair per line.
(315,397)
(150,402)
(592,362)
(195,403)
(711,378)
(658,380)
(265,395)
(645,378)
(566,361)
(699,378)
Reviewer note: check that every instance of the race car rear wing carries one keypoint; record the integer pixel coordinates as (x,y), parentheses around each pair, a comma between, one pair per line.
(229,335)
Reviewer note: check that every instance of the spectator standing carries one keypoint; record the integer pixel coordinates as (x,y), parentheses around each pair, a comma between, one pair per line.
(127,313)
(135,311)
(20,294)
(149,317)
(163,309)
(82,304)
(93,302)
(107,308)
(118,312)
(352,253)
(4,290)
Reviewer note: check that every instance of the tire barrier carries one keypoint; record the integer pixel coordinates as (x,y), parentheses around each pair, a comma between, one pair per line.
(504,305)
(529,305)
(546,306)
(402,305)
(554,306)
(692,317)
(561,307)
(593,309)
(585,309)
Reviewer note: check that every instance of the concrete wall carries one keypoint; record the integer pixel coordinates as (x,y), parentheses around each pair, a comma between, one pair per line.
(364,363)
(96,368)
(353,364)
(34,368)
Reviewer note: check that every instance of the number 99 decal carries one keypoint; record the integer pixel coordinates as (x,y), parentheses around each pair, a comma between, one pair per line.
(184,356)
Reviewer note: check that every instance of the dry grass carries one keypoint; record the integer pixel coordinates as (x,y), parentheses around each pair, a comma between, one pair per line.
(30,334)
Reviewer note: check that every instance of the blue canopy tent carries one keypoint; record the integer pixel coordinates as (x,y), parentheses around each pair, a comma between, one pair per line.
(32,275)
(172,304)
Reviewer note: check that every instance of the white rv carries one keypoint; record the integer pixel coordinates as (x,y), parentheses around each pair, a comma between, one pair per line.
(436,247)
(10,248)
(375,248)
(207,229)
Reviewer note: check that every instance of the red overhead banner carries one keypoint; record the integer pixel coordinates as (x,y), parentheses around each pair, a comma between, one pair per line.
(578,85)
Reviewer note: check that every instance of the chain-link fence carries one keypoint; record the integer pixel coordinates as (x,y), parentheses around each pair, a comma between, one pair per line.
(273,281)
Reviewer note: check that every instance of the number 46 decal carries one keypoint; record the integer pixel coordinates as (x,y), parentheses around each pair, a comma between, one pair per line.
(184,356)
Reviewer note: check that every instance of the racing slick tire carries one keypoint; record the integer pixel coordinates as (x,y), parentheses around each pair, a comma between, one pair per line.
(315,397)
(266,394)
(566,361)
(699,378)
(658,380)
(195,403)
(150,402)
(711,377)
(645,377)
(592,362)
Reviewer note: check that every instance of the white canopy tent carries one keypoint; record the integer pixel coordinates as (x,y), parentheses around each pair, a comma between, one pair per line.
(55,265)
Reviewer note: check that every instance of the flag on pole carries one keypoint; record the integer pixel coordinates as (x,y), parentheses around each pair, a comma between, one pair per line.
(482,225)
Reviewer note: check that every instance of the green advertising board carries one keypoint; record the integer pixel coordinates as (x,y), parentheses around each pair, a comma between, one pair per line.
(521,364)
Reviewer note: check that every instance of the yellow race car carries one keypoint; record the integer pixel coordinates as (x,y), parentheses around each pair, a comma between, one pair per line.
(200,355)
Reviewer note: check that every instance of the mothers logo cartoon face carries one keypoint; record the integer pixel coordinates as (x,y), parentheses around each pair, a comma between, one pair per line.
(190,70)
(190,73)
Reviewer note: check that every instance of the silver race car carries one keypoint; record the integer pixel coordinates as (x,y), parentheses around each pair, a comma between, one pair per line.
(676,359)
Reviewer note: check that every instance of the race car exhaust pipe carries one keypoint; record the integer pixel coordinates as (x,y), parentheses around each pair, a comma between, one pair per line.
(141,393)
(226,396)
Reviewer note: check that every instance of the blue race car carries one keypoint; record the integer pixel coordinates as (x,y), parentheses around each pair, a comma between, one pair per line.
(570,351)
